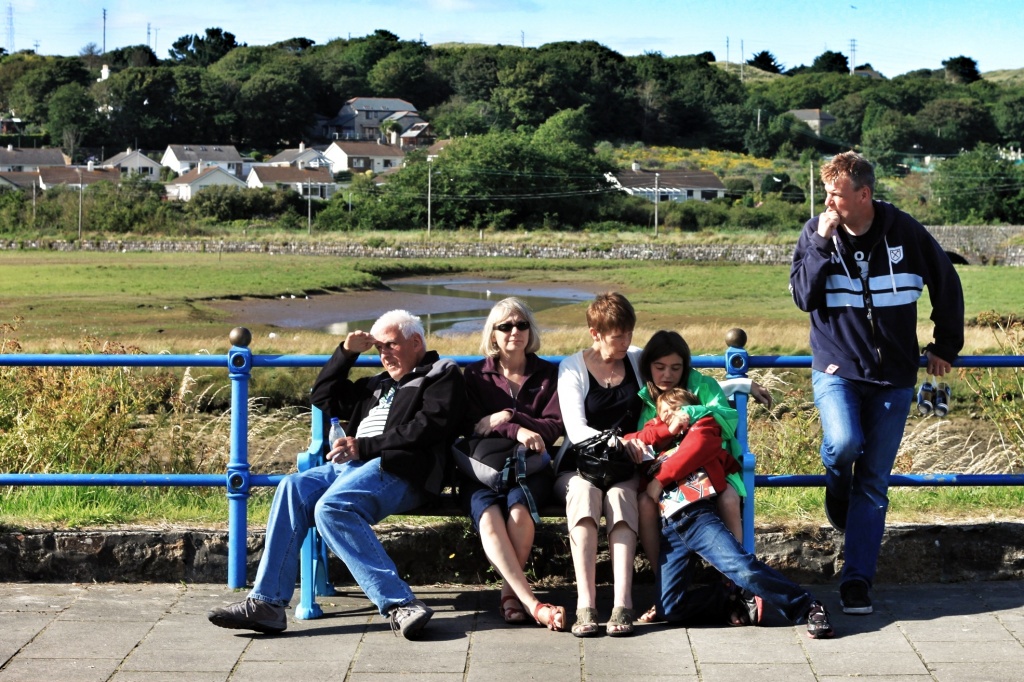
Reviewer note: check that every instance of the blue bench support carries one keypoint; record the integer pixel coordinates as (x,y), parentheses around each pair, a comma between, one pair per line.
(737,362)
(313,555)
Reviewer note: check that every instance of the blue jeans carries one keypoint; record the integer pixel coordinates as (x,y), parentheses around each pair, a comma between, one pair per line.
(698,530)
(862,426)
(344,501)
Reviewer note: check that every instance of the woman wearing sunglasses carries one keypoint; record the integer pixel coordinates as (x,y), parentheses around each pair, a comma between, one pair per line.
(513,394)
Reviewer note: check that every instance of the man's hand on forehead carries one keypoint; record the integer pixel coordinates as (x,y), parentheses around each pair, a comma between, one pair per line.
(359,342)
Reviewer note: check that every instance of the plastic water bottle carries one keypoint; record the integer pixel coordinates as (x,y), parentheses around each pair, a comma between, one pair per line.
(336,432)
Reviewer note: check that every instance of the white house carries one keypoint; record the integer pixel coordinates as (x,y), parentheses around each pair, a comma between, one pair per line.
(816,119)
(185,187)
(359,157)
(317,183)
(303,157)
(30,159)
(417,135)
(668,185)
(134,162)
(182,158)
(360,118)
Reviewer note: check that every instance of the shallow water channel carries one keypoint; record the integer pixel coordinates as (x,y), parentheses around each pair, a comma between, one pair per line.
(459,306)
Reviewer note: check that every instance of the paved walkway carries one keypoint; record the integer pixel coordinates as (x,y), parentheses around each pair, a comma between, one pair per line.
(158,632)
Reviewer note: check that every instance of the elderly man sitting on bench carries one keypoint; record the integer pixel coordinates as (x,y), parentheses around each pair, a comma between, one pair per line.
(405,419)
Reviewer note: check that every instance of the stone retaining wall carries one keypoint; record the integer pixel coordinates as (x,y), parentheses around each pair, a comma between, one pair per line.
(445,552)
(981,244)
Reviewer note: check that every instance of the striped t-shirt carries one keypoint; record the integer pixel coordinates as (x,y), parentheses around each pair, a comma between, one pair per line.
(375,420)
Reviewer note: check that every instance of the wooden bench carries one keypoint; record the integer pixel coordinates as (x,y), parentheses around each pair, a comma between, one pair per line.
(313,555)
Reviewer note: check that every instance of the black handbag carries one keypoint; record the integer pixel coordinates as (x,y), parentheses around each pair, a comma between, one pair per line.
(603,460)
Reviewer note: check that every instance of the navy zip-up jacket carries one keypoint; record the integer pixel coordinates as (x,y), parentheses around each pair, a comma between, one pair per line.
(870,334)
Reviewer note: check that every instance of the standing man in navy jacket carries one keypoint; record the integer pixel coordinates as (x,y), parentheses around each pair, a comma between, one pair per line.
(859,269)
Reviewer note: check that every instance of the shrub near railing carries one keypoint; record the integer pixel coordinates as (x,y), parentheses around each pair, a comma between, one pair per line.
(62,419)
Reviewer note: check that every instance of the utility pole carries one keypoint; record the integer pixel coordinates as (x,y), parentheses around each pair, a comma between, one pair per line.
(742,60)
(430,176)
(104,30)
(810,181)
(309,207)
(81,191)
(853,55)
(657,199)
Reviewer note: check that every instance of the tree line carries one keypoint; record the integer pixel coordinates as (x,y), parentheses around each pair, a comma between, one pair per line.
(538,118)
(211,87)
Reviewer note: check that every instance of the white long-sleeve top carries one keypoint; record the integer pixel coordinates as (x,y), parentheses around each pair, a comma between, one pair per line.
(573,386)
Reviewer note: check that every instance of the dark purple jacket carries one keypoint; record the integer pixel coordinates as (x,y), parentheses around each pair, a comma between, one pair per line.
(536,406)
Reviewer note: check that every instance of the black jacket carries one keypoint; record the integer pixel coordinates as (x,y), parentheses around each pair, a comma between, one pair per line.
(423,421)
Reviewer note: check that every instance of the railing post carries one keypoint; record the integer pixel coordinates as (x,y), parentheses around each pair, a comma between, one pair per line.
(239,370)
(737,362)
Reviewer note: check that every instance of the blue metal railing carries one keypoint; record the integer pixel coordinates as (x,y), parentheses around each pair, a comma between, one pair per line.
(238,481)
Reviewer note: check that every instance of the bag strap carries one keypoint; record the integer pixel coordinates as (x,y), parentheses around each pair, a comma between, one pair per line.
(515,466)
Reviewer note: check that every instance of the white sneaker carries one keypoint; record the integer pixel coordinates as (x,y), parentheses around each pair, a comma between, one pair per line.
(410,618)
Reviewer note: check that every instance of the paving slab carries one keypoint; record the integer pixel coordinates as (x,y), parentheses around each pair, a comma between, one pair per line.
(959,632)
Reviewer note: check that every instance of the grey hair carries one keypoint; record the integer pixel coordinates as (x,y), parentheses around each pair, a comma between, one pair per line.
(502,309)
(405,322)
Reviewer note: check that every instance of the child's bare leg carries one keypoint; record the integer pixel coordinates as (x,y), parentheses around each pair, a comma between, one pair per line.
(650,540)
(729,504)
(650,529)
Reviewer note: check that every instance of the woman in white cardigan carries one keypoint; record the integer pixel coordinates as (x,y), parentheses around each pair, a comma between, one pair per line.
(597,390)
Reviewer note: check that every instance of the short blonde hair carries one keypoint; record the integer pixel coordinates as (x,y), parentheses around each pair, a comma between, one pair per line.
(851,165)
(501,310)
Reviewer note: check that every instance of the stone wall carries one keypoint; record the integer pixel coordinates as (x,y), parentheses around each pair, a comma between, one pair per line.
(446,552)
(976,244)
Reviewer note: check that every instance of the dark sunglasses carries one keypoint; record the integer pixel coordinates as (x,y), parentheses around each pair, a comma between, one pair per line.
(506,327)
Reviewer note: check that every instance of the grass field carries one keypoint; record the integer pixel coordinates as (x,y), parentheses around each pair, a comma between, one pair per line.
(159,302)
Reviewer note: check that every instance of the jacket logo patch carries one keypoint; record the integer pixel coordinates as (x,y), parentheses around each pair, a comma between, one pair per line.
(896,254)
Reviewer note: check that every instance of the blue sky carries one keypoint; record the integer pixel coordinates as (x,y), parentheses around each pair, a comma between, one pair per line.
(894,36)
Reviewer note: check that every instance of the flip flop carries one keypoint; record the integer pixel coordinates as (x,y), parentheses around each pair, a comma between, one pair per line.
(556,616)
(650,615)
(514,613)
